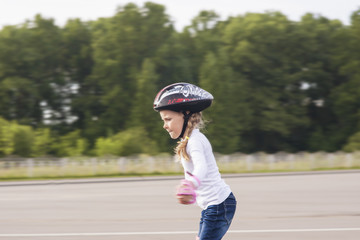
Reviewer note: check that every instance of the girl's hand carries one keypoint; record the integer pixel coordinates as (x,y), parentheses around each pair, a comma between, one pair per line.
(186,192)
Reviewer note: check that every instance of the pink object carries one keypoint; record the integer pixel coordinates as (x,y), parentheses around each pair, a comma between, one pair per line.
(187,190)
(193,176)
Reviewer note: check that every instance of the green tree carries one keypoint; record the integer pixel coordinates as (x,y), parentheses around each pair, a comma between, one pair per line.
(18,99)
(120,44)
(23,140)
(226,116)
(174,62)
(78,64)
(278,84)
(31,71)
(142,112)
(71,144)
(261,50)
(7,132)
(353,143)
(319,75)
(345,97)
(42,142)
(131,141)
(202,36)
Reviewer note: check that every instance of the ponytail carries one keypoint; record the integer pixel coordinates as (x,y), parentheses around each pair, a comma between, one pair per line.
(195,121)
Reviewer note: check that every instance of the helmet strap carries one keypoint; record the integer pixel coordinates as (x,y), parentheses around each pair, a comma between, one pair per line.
(186,120)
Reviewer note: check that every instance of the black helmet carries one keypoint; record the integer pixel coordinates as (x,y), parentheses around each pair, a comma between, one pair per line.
(181,97)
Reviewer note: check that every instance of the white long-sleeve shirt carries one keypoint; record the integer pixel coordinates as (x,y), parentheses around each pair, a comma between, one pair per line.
(211,189)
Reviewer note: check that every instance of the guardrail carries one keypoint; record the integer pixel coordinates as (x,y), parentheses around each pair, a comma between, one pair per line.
(141,164)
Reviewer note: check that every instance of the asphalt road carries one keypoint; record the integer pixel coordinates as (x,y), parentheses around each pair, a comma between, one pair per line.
(310,206)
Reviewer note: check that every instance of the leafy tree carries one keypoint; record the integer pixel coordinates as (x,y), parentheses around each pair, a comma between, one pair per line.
(18,99)
(173,62)
(7,132)
(105,146)
(78,64)
(260,49)
(353,143)
(131,141)
(70,144)
(319,41)
(142,113)
(345,96)
(31,55)
(42,142)
(87,87)
(226,115)
(23,140)
(120,45)
(144,96)
(200,38)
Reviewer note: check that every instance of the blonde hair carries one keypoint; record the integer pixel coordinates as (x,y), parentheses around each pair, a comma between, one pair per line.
(195,121)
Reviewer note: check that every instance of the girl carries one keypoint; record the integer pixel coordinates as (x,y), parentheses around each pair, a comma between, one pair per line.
(180,107)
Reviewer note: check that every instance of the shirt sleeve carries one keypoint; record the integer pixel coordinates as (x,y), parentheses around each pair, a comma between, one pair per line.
(197,156)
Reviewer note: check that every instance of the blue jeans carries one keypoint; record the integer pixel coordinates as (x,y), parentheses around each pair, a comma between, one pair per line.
(216,219)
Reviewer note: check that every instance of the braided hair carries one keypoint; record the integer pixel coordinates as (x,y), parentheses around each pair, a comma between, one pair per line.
(195,121)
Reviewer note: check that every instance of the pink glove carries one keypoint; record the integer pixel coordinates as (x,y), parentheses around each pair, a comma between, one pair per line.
(186,192)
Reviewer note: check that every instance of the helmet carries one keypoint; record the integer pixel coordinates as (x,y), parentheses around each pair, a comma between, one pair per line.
(181,97)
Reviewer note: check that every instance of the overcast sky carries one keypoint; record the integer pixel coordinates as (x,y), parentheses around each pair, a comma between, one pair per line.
(181,11)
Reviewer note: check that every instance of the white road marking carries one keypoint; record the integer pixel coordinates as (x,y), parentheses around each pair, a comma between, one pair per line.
(175,232)
(295,230)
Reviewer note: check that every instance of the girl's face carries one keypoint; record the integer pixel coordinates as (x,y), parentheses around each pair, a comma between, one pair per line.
(173,122)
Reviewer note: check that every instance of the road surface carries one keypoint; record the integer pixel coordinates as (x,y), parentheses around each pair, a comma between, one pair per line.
(302,206)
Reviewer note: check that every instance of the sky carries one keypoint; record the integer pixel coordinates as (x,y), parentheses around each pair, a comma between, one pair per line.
(13,12)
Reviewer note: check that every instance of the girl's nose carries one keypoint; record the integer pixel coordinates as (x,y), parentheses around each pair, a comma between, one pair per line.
(165,126)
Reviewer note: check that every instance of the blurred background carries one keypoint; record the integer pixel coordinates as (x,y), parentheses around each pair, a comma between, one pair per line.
(76,91)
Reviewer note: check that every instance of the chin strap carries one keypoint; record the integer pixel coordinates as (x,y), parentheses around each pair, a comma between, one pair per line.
(186,119)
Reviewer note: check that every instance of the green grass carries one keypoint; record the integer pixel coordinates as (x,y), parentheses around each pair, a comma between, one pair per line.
(165,166)
(48,176)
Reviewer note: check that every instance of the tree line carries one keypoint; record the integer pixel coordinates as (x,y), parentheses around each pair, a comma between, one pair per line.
(87,88)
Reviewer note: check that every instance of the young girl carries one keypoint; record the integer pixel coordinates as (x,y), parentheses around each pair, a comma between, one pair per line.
(180,107)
